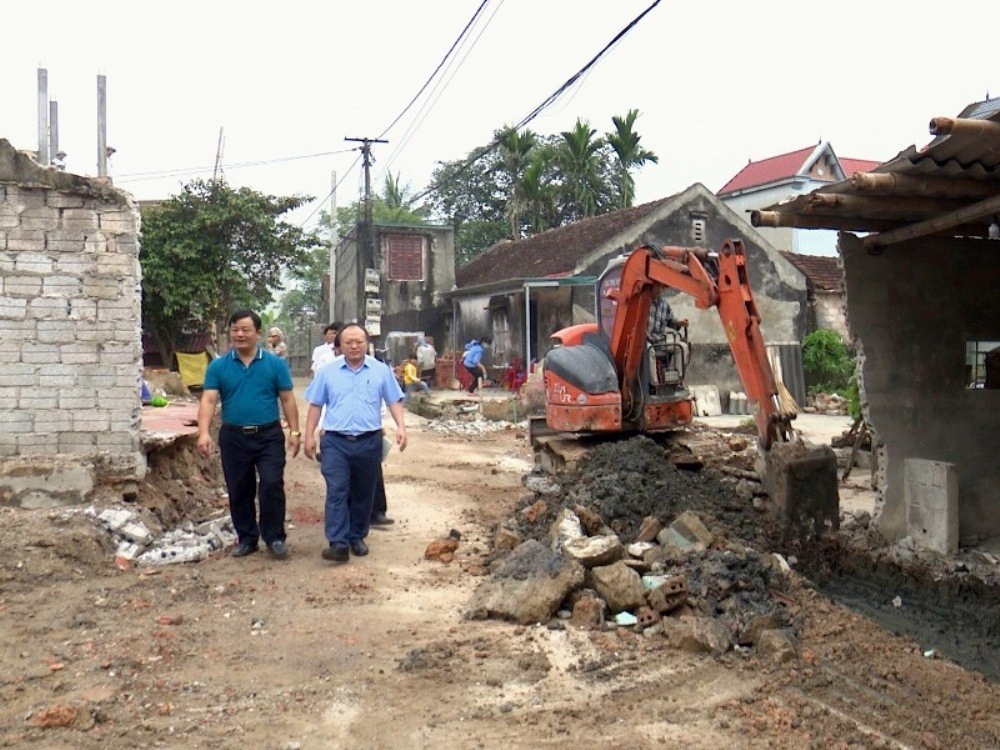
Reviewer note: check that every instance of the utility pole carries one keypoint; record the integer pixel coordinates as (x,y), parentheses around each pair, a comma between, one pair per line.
(218,157)
(368,234)
(334,241)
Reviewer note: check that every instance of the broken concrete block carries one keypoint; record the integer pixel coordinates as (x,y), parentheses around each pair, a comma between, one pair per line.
(592,522)
(566,526)
(931,492)
(529,587)
(801,479)
(619,586)
(592,551)
(506,538)
(588,612)
(625,619)
(136,532)
(638,549)
(689,525)
(648,529)
(698,635)
(777,645)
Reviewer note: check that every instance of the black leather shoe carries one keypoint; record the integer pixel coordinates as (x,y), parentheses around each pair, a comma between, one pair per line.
(336,553)
(278,549)
(359,548)
(243,549)
(381,519)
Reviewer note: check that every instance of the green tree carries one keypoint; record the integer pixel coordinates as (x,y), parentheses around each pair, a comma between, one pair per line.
(515,155)
(580,158)
(826,362)
(212,249)
(625,143)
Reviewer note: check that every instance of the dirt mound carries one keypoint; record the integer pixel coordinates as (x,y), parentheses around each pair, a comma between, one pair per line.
(628,480)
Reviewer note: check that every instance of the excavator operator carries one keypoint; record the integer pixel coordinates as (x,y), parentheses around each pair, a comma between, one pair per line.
(662,329)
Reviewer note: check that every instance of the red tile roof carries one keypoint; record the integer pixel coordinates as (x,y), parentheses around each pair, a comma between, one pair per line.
(550,254)
(850,166)
(823,273)
(768,170)
(783,166)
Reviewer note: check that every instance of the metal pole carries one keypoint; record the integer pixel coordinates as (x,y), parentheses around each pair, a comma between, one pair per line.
(334,241)
(53,132)
(102,126)
(527,327)
(43,116)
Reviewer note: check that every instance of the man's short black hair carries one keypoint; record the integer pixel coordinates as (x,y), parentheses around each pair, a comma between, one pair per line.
(332,327)
(240,314)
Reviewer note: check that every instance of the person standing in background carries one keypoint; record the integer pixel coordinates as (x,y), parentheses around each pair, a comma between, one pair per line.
(426,357)
(326,352)
(276,343)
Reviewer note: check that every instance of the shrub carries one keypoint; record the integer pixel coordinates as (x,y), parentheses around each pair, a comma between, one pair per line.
(827,364)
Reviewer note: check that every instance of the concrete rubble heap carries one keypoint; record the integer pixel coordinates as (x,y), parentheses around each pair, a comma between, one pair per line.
(627,540)
(135,541)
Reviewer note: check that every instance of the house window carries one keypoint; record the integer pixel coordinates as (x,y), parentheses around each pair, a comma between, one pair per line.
(404,257)
(982,364)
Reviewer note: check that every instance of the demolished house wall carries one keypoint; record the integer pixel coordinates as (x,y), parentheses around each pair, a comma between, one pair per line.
(911,311)
(69,335)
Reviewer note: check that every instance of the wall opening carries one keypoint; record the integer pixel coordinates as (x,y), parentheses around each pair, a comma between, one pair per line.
(982,364)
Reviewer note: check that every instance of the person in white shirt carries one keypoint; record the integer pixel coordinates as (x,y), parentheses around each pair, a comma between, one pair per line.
(326,352)
(426,357)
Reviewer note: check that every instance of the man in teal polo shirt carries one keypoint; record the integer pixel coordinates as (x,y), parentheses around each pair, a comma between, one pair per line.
(352,388)
(251,382)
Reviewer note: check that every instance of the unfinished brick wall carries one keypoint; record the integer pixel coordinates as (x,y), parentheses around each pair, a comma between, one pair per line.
(69,324)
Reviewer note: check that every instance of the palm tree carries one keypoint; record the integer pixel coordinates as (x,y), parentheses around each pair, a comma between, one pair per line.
(515,156)
(579,155)
(625,142)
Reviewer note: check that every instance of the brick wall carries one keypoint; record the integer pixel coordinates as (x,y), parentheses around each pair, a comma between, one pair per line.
(69,321)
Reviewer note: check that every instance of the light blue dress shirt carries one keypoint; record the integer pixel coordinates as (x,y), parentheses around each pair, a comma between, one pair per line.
(353,399)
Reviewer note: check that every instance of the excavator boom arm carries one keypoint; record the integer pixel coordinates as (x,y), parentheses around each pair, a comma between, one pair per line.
(727,288)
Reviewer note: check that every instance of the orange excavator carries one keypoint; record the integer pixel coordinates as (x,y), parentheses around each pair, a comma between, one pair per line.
(612,377)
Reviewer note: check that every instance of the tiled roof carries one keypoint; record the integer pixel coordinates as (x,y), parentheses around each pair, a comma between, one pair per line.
(823,273)
(768,170)
(550,254)
(850,166)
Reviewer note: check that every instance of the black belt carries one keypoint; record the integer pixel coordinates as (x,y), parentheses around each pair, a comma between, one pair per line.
(252,429)
(353,438)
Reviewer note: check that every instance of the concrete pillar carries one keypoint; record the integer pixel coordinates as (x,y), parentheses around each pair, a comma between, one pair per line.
(930,489)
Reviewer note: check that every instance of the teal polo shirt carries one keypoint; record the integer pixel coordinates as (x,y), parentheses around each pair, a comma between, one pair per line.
(249,393)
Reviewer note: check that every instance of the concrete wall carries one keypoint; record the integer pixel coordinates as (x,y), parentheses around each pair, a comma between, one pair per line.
(830,314)
(406,305)
(69,329)
(911,311)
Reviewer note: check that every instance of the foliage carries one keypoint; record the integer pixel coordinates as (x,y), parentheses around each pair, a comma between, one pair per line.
(853,397)
(827,364)
(212,249)
(531,182)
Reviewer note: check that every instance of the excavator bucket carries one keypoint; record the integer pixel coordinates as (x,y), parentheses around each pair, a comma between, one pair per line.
(801,479)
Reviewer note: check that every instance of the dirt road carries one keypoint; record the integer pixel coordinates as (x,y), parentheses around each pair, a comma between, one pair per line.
(288,654)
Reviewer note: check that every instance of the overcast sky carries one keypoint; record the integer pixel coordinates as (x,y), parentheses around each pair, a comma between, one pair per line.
(717,83)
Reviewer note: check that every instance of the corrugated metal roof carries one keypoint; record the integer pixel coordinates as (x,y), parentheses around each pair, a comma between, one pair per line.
(950,187)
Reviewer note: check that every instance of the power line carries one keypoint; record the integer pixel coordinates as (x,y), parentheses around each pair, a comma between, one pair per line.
(434,96)
(549,100)
(440,64)
(142,176)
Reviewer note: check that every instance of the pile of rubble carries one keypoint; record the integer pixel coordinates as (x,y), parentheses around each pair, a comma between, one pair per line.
(629,540)
(136,542)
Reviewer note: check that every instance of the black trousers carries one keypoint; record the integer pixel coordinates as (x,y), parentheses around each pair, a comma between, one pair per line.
(378,503)
(245,460)
(477,376)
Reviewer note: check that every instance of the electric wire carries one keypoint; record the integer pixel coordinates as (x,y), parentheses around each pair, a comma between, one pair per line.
(181,171)
(435,94)
(483,151)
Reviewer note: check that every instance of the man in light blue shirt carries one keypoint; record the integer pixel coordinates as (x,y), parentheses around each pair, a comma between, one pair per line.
(472,361)
(352,388)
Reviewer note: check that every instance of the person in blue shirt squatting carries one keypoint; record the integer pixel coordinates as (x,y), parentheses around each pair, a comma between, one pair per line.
(352,388)
(251,382)
(472,361)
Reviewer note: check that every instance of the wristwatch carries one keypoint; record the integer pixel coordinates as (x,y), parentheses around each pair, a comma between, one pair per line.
(294,433)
